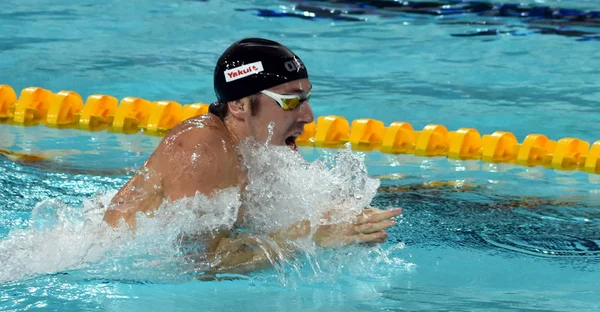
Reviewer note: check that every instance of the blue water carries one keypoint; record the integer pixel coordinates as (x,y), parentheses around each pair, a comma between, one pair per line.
(506,238)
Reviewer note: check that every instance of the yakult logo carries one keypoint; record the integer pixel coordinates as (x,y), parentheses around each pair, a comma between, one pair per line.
(243,71)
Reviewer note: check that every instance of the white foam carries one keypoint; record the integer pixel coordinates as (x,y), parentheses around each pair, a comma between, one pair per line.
(282,189)
(64,238)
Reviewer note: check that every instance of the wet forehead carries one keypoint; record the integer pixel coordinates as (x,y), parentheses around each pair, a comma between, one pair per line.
(294,87)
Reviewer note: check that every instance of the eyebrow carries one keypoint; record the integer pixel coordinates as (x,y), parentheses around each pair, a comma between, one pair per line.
(298,90)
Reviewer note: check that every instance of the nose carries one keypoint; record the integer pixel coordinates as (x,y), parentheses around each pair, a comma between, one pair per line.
(305,114)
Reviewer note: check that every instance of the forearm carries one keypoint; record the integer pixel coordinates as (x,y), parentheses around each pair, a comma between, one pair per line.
(248,253)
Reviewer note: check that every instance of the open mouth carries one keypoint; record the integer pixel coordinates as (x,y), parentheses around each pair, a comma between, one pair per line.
(291,142)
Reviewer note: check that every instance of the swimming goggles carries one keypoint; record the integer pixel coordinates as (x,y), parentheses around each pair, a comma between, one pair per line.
(287,102)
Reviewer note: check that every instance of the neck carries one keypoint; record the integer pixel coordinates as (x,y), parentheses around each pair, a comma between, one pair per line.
(236,129)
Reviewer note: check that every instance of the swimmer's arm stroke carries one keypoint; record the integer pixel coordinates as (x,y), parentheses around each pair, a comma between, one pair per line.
(167,175)
(218,169)
(142,193)
(184,163)
(247,253)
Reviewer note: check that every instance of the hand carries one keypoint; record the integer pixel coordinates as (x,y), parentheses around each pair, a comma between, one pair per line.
(369,227)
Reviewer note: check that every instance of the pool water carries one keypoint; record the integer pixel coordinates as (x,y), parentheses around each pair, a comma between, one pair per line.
(496,237)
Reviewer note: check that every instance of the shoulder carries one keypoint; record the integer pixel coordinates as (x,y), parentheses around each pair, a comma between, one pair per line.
(204,134)
(198,154)
(200,129)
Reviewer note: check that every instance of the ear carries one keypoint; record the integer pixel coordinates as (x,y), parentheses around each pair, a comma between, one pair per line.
(239,109)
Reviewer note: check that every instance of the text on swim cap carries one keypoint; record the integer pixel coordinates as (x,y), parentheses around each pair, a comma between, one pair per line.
(293,65)
(243,71)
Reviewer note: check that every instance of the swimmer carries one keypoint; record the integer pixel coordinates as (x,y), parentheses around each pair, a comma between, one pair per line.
(257,82)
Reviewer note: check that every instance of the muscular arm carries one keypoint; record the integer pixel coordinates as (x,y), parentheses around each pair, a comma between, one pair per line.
(248,253)
(213,164)
(190,159)
(143,192)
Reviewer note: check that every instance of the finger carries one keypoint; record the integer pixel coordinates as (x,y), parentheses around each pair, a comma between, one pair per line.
(371,210)
(368,228)
(378,237)
(380,216)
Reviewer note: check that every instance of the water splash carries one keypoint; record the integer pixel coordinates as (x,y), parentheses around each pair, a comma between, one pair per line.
(270,128)
(282,189)
(65,238)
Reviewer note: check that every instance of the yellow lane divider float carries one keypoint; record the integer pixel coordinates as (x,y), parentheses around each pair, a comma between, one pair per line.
(66,109)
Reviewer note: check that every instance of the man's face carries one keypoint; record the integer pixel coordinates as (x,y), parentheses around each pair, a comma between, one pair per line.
(287,125)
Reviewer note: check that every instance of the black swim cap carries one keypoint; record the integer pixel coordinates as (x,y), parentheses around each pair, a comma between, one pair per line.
(251,65)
